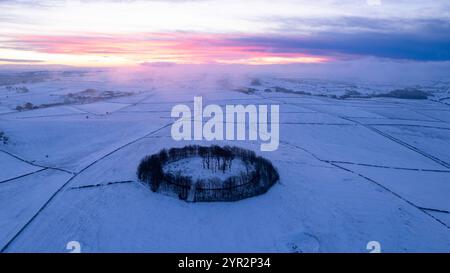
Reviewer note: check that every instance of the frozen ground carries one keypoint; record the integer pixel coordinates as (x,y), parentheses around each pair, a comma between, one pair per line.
(352,170)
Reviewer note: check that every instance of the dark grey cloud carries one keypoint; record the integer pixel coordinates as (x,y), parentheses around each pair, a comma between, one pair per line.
(421,40)
(354,23)
(19,61)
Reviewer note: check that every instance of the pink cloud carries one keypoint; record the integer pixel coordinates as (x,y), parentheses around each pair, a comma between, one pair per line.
(168,47)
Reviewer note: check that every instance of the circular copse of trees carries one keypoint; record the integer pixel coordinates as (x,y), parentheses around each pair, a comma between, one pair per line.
(204,174)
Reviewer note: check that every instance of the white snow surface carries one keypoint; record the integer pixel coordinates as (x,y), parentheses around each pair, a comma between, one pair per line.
(351,170)
(193,167)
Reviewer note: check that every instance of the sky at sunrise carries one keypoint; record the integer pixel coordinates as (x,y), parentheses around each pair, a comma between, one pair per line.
(114,33)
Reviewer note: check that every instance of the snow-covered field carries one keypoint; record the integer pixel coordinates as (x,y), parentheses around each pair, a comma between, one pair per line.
(353,169)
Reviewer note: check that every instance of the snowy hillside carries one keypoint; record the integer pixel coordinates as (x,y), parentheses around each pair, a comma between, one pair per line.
(354,166)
